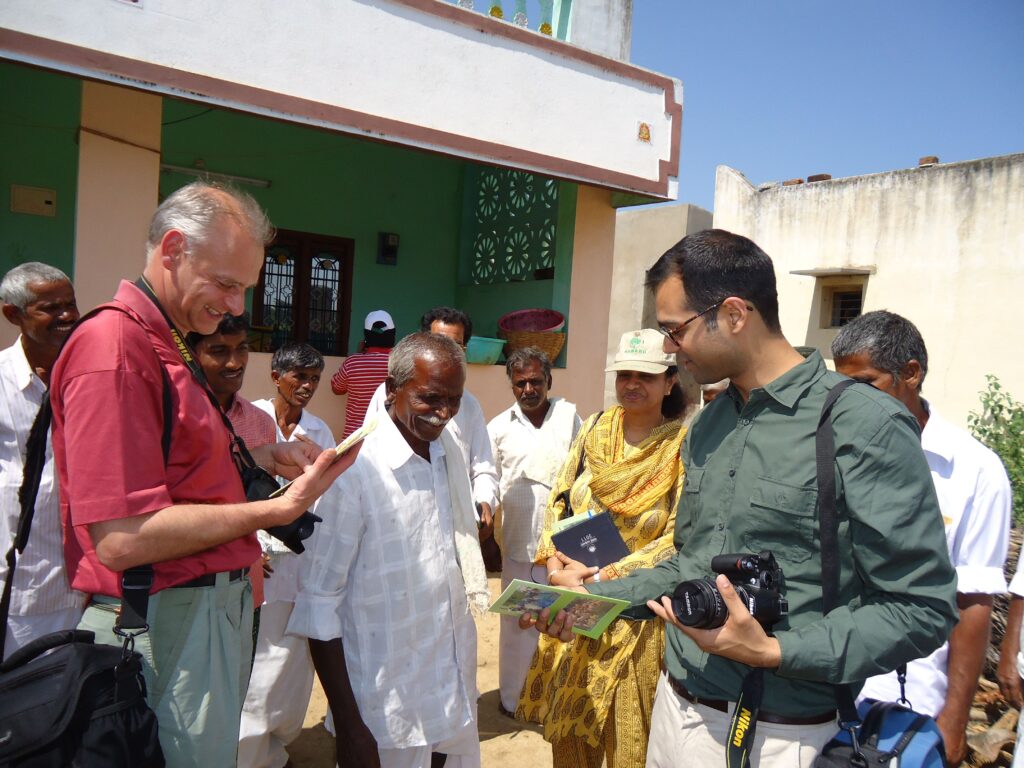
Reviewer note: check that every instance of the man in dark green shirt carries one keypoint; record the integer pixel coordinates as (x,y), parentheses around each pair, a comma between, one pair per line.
(750,486)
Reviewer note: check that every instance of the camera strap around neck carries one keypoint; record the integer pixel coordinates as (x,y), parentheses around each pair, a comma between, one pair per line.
(240,453)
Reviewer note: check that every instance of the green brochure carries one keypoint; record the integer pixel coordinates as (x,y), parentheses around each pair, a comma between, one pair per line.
(592,613)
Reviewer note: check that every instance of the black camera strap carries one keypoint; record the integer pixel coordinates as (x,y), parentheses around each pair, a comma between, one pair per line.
(744,720)
(239,452)
(825,457)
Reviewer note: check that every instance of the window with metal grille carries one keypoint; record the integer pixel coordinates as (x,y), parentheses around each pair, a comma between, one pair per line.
(846,305)
(305,292)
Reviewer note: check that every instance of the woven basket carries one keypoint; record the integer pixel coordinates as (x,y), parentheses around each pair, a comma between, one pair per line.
(549,342)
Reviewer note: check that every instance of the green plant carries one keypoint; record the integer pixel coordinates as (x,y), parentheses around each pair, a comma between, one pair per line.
(1000,426)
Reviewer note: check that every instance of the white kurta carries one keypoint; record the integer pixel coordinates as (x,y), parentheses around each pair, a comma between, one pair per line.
(282,671)
(382,575)
(974,496)
(41,600)
(528,460)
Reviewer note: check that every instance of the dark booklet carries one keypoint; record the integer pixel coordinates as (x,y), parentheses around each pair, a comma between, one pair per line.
(594,541)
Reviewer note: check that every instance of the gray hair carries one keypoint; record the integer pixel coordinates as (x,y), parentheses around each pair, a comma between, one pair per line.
(890,342)
(402,360)
(525,356)
(196,208)
(15,286)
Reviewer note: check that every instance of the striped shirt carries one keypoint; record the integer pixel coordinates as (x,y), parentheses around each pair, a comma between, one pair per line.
(358,377)
(40,581)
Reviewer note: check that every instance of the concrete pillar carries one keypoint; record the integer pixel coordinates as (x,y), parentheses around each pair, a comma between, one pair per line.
(118,183)
(602,26)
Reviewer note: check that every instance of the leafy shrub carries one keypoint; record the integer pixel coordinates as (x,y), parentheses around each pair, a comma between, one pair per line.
(1000,426)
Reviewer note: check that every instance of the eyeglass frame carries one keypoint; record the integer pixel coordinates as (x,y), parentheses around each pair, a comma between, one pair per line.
(671,334)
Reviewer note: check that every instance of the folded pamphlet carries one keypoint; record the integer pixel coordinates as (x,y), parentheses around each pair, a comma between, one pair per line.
(592,613)
(344,445)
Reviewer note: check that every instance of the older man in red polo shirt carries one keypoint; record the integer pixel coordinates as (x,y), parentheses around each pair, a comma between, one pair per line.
(124,506)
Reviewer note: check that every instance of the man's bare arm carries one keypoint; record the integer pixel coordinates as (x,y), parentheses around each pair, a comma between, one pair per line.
(355,744)
(967,645)
(1009,676)
(184,529)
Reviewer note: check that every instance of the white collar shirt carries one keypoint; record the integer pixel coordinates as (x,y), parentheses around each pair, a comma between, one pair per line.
(974,496)
(284,583)
(382,574)
(469,428)
(528,460)
(40,581)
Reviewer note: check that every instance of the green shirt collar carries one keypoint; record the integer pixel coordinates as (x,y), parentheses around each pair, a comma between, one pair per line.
(790,386)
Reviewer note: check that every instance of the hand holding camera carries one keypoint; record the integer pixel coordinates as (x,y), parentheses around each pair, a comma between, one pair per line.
(739,634)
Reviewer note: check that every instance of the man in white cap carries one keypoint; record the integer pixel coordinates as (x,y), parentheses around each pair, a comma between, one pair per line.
(366,370)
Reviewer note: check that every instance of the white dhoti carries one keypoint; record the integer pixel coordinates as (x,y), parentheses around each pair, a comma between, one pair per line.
(279,689)
(515,646)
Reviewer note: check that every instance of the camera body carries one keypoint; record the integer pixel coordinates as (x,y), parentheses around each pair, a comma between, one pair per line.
(259,484)
(757,578)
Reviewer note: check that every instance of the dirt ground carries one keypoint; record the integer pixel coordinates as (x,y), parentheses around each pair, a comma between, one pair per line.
(503,741)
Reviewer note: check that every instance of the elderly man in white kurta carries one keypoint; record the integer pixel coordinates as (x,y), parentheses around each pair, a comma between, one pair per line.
(393,574)
(40,301)
(529,441)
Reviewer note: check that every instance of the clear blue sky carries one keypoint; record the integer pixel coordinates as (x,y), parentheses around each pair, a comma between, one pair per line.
(781,89)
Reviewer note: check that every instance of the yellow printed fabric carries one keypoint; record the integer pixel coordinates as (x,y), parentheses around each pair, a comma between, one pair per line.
(571,688)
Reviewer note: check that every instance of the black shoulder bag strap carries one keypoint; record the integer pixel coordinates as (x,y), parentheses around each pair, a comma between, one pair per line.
(825,455)
(564,495)
(135,582)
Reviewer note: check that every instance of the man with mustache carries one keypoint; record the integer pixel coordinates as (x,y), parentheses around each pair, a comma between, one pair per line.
(393,574)
(530,441)
(40,300)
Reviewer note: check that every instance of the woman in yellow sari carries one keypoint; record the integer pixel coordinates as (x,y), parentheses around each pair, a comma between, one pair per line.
(594,697)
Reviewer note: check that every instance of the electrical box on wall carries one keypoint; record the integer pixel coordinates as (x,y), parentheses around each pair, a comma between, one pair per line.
(387,248)
(34,201)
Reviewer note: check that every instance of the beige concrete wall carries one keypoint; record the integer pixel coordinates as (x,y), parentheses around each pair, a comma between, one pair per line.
(946,246)
(581,381)
(118,177)
(642,235)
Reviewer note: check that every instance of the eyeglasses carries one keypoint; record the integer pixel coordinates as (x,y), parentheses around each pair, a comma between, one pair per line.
(675,335)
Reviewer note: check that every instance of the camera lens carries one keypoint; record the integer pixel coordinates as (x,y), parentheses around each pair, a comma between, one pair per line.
(698,604)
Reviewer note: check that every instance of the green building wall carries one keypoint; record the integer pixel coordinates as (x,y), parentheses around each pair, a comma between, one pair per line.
(39,118)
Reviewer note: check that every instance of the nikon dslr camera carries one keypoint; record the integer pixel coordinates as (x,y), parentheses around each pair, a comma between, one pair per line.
(757,578)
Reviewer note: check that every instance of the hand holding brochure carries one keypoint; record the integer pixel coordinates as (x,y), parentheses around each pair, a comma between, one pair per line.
(592,613)
(344,445)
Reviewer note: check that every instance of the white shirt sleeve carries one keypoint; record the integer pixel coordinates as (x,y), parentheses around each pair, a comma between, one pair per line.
(482,473)
(982,545)
(327,562)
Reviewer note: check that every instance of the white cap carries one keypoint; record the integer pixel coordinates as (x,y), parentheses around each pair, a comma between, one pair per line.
(378,316)
(642,351)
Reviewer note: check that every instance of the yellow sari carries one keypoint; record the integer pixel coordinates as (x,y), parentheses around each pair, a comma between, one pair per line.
(576,689)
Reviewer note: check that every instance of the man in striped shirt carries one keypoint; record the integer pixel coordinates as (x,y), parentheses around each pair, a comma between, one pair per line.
(40,300)
(364,371)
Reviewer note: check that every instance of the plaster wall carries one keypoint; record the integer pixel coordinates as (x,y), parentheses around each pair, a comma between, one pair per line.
(642,235)
(454,80)
(944,246)
(118,171)
(603,26)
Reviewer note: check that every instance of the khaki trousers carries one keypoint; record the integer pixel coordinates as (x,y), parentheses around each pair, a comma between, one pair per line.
(685,734)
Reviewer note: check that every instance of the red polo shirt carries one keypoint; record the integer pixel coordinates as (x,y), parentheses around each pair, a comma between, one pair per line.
(106,390)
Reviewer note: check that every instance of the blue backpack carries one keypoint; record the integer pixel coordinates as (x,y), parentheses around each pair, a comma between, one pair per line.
(889,736)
